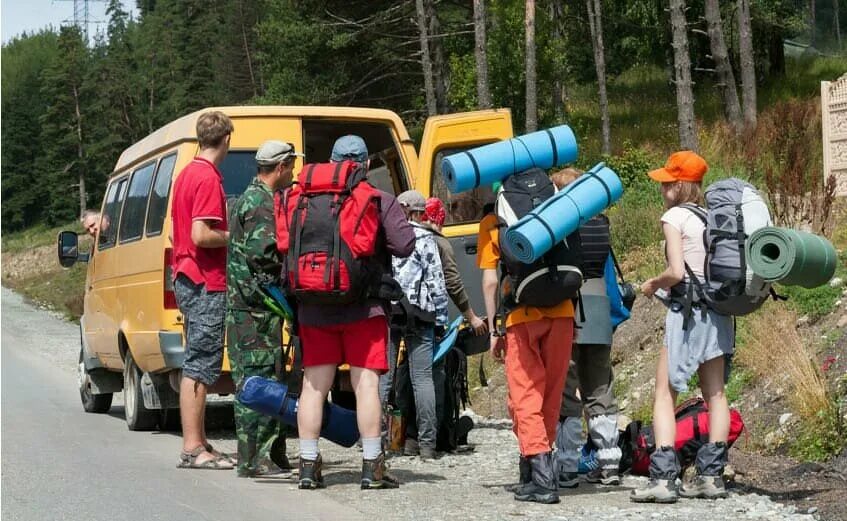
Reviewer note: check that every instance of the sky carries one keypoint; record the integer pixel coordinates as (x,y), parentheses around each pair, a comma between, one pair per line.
(18,16)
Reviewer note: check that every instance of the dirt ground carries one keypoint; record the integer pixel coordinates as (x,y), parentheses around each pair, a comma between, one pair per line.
(809,487)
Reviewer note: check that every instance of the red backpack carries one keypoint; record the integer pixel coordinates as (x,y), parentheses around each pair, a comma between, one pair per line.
(326,228)
(692,432)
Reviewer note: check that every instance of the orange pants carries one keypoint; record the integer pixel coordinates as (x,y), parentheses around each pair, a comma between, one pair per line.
(537,357)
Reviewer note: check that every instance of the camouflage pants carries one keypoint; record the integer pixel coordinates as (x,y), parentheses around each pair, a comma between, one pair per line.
(255,348)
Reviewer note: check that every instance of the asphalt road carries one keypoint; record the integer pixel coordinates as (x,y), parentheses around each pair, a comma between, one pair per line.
(59,463)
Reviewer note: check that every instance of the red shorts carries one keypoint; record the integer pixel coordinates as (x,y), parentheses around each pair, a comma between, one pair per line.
(359,344)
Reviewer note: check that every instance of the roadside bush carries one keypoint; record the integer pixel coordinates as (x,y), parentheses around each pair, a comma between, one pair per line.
(772,350)
(785,152)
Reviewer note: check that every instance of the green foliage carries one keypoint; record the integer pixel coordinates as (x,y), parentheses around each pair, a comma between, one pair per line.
(813,303)
(822,438)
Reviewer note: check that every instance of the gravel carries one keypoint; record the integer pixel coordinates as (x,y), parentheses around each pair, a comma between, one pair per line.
(471,486)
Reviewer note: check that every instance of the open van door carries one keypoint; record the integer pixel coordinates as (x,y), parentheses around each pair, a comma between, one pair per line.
(445,135)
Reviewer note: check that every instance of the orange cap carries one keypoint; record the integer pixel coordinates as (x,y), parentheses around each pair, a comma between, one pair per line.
(681,166)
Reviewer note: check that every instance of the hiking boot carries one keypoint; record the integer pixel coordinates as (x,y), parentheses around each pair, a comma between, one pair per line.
(310,474)
(656,491)
(375,474)
(707,487)
(411,448)
(608,477)
(428,453)
(568,479)
(542,488)
(524,477)
(265,469)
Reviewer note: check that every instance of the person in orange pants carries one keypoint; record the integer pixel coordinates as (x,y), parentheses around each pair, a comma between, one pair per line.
(536,350)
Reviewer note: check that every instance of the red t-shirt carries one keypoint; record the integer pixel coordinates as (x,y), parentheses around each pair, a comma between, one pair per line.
(199,194)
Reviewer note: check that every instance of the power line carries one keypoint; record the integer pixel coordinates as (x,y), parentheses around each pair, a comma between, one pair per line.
(82,15)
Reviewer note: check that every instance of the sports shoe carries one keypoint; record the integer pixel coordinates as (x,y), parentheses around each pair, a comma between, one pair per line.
(375,474)
(310,474)
(568,479)
(707,487)
(411,447)
(266,469)
(608,477)
(656,491)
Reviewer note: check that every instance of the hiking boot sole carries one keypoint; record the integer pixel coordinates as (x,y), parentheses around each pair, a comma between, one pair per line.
(547,499)
(378,485)
(609,482)
(703,495)
(308,484)
(653,499)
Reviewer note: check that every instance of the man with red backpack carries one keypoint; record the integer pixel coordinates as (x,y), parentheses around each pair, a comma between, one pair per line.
(338,234)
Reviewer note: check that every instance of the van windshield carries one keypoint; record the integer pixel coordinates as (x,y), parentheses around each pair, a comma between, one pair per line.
(238,169)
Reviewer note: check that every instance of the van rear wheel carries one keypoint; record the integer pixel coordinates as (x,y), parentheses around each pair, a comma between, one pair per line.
(94,403)
(138,417)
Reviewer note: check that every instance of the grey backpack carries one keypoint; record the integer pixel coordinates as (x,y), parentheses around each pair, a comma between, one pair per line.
(735,211)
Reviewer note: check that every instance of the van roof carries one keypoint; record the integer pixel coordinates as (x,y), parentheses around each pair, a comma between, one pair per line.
(183,129)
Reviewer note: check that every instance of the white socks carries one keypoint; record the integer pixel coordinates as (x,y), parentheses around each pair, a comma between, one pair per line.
(371,448)
(309,449)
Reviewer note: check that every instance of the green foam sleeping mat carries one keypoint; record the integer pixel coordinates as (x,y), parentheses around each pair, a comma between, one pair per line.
(791,257)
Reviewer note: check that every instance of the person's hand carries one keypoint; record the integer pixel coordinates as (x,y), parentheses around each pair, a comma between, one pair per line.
(478,326)
(649,288)
(498,348)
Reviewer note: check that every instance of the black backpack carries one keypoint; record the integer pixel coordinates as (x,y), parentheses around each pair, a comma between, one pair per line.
(557,275)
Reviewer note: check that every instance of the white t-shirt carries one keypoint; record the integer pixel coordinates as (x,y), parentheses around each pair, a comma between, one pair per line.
(692,229)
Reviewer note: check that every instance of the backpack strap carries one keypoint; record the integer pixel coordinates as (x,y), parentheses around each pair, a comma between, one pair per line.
(617,266)
(475,167)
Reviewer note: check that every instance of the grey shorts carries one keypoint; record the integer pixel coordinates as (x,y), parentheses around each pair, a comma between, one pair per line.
(708,336)
(203,315)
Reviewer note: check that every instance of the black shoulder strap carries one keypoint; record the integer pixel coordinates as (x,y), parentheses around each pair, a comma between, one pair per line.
(696,210)
(617,266)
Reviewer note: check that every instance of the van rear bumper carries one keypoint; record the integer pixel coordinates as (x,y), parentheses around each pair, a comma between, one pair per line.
(173,352)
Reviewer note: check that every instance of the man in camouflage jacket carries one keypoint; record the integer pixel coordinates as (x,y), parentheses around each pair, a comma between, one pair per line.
(253,332)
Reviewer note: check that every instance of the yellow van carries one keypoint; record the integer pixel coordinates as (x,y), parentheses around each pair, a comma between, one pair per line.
(131,331)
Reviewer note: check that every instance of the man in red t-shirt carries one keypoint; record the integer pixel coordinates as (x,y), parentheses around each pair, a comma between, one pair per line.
(200,239)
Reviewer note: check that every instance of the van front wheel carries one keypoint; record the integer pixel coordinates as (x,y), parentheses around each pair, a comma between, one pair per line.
(95,403)
(138,417)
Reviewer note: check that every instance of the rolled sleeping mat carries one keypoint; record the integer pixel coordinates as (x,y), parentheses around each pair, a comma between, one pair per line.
(559,216)
(490,163)
(271,398)
(446,343)
(791,257)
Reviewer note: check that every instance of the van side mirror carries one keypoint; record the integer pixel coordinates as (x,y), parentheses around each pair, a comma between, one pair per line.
(68,249)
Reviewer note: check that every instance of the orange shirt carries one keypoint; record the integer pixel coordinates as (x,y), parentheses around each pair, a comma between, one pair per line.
(487,258)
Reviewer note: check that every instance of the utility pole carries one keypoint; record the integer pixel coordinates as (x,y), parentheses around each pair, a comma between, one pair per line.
(82,15)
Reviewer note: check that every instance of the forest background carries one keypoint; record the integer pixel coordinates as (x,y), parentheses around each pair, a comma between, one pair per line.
(737,80)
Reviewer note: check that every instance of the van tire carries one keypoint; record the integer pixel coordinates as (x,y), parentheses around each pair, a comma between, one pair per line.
(169,420)
(93,403)
(138,417)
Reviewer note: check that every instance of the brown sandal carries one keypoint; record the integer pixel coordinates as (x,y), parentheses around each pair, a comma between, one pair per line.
(188,460)
(230,457)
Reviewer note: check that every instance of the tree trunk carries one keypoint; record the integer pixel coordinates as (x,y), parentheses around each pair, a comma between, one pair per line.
(682,77)
(748,65)
(837,23)
(426,62)
(83,197)
(440,74)
(595,24)
(776,52)
(531,94)
(560,94)
(813,28)
(726,78)
(483,93)
(247,54)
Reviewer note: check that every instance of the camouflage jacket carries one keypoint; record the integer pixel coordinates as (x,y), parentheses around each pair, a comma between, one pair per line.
(421,276)
(252,258)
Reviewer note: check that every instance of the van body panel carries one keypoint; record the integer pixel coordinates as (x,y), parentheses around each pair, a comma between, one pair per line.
(448,134)
(126,282)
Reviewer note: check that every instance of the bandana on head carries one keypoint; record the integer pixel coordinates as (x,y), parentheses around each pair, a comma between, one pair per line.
(435,211)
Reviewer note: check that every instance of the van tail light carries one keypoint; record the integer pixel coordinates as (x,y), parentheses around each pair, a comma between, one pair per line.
(168,282)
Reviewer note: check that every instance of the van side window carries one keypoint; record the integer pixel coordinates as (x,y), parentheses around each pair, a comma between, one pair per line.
(466,207)
(132,219)
(112,213)
(158,205)
(238,168)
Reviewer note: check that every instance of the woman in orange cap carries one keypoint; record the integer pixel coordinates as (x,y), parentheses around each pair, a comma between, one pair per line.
(694,342)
